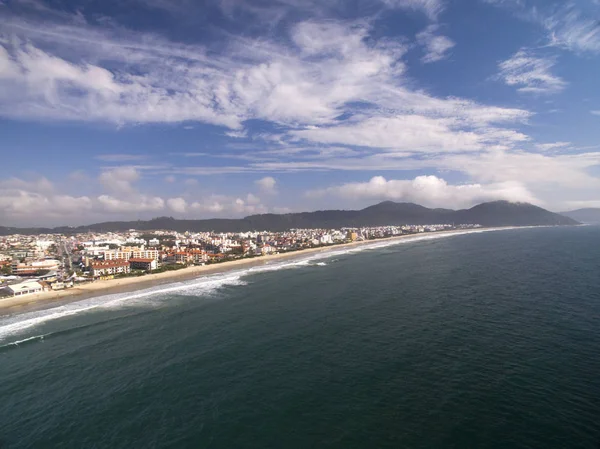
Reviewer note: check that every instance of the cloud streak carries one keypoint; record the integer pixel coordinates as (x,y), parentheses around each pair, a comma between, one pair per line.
(531,74)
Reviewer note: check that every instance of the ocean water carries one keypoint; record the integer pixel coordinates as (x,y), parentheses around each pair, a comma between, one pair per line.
(485,340)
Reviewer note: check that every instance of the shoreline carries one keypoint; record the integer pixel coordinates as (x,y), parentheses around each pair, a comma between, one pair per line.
(48,299)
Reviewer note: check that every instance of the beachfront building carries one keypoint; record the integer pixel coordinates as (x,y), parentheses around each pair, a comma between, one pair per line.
(195,256)
(143,264)
(24,288)
(129,252)
(109,267)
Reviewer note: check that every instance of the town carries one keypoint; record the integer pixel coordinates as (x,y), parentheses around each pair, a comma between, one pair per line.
(51,262)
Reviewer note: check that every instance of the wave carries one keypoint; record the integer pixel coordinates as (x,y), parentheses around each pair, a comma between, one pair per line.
(25,340)
(17,324)
(13,325)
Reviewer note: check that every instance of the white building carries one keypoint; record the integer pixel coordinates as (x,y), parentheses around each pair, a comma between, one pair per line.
(44,244)
(111,267)
(127,253)
(24,288)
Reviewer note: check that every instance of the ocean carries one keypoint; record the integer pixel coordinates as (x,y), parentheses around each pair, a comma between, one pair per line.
(481,340)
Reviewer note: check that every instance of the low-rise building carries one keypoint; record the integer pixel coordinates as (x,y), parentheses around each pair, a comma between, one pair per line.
(143,264)
(24,288)
(109,267)
(61,285)
(33,267)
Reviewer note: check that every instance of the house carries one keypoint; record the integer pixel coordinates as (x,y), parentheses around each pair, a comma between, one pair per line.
(24,288)
(138,263)
(109,267)
(61,285)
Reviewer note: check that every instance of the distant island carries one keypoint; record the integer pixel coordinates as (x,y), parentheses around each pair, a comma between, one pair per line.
(496,213)
(587,216)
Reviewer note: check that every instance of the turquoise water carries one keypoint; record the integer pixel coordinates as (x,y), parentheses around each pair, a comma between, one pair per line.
(488,340)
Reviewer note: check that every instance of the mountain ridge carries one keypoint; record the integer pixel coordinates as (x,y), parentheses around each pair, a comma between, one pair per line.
(496,213)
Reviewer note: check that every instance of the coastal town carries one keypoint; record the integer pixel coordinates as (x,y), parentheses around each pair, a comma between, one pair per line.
(31,264)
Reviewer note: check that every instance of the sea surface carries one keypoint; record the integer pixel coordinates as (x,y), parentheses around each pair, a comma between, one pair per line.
(482,340)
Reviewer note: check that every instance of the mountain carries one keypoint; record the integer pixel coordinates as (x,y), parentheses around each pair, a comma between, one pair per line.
(497,213)
(504,213)
(588,216)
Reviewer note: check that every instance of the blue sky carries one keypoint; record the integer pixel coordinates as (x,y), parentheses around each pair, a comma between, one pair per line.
(223,108)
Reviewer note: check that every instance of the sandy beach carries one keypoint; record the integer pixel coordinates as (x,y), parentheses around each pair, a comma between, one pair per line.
(97,288)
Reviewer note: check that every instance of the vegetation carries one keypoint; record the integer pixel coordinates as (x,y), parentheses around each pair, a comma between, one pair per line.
(170,267)
(133,273)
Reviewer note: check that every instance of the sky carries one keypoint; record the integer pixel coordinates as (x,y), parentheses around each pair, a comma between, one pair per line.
(132,109)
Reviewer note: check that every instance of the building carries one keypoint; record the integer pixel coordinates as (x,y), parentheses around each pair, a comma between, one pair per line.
(143,264)
(61,285)
(109,267)
(128,252)
(31,268)
(24,288)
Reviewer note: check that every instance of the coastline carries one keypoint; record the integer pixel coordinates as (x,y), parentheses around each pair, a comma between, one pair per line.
(124,285)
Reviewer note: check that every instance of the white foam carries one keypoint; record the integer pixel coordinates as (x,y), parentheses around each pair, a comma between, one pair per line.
(25,340)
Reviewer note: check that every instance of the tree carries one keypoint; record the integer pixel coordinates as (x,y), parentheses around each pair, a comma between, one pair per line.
(6,270)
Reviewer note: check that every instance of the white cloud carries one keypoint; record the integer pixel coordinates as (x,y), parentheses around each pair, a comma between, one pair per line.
(120,157)
(332,66)
(267,184)
(237,134)
(170,179)
(38,185)
(435,45)
(119,180)
(531,74)
(178,205)
(570,25)
(595,112)
(414,133)
(252,199)
(17,204)
(430,7)
(220,205)
(552,146)
(429,191)
(573,29)
(191,182)
(583,204)
(141,203)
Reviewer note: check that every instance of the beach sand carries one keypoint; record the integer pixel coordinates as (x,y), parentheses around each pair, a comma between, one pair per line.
(97,288)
